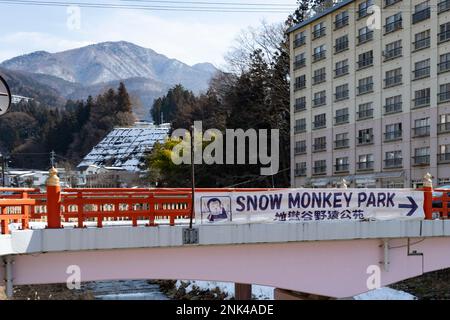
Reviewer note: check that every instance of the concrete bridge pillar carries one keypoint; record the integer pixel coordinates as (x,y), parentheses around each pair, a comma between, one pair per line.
(8,262)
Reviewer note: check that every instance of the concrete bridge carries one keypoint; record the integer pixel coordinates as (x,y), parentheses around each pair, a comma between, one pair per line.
(335,259)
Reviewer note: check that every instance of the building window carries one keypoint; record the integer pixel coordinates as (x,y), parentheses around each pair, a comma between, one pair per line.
(300,104)
(342,116)
(393,104)
(300,83)
(444,92)
(341,44)
(318,30)
(363,8)
(365,136)
(393,78)
(320,121)
(393,23)
(364,35)
(421,12)
(300,61)
(388,3)
(341,68)
(422,69)
(320,144)
(421,128)
(341,141)
(393,132)
(320,98)
(393,50)
(422,98)
(341,20)
(422,40)
(422,156)
(365,111)
(341,92)
(443,6)
(365,162)
(300,169)
(300,147)
(444,62)
(300,39)
(365,85)
(320,167)
(444,35)
(300,126)
(444,123)
(319,76)
(444,153)
(319,53)
(393,159)
(365,59)
(341,165)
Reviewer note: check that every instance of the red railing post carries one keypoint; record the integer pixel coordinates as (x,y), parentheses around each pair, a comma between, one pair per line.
(53,200)
(428,196)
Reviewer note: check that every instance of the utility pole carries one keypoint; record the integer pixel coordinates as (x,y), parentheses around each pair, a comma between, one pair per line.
(3,170)
(52,158)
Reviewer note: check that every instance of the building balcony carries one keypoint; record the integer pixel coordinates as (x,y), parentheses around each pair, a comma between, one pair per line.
(444,66)
(443,157)
(298,107)
(393,136)
(343,119)
(421,160)
(298,64)
(299,129)
(319,101)
(393,108)
(444,127)
(393,81)
(299,42)
(341,47)
(366,88)
(421,73)
(341,144)
(321,147)
(319,78)
(339,96)
(443,96)
(300,172)
(365,114)
(320,170)
(299,85)
(444,36)
(319,33)
(365,166)
(443,6)
(339,72)
(421,15)
(393,163)
(366,37)
(393,53)
(421,131)
(300,150)
(365,63)
(340,23)
(319,56)
(421,102)
(341,168)
(319,125)
(422,44)
(393,26)
(365,140)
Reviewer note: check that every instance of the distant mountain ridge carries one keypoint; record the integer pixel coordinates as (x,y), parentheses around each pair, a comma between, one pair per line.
(88,70)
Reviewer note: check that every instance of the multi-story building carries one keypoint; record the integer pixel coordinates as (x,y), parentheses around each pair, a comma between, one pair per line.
(370,94)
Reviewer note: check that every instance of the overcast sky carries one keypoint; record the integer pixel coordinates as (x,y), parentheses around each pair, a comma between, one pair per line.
(191,37)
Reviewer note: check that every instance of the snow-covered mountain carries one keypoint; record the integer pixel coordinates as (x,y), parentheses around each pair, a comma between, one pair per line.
(96,66)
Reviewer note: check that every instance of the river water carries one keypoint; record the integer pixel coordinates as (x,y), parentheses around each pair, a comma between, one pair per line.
(124,290)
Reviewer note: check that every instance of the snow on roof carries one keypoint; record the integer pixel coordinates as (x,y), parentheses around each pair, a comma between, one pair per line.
(125,147)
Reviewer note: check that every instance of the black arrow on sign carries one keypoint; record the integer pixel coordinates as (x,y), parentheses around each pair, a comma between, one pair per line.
(413,206)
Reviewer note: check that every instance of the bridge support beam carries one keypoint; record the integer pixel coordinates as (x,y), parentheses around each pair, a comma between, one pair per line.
(8,262)
(281,294)
(242,291)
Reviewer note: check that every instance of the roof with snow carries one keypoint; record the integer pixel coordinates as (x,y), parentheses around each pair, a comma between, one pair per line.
(125,148)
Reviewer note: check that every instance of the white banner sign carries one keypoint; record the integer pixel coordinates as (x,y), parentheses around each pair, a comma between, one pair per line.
(309,205)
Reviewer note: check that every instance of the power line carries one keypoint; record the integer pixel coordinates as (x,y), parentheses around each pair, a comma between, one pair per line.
(146,7)
(218,3)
